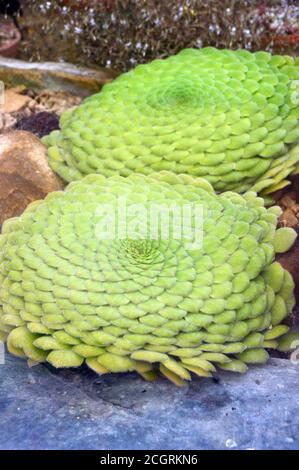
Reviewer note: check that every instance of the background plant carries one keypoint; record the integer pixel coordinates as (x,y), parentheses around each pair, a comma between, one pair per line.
(122,33)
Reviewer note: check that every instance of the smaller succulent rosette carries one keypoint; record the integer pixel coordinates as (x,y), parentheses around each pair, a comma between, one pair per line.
(231,117)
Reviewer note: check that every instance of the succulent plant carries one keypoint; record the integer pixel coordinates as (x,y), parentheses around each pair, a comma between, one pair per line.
(69,295)
(228,116)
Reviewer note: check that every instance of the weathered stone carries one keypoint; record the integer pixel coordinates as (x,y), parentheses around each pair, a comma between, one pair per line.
(14,102)
(24,173)
(42,408)
(66,77)
(55,101)
(7,121)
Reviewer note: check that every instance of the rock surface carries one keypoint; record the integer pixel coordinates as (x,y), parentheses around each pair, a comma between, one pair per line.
(41,408)
(25,175)
(66,77)
(14,102)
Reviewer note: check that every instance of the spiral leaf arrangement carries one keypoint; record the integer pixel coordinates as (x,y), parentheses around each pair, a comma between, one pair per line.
(70,296)
(228,116)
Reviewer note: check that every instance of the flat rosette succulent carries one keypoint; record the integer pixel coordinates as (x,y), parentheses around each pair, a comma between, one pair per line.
(69,295)
(231,117)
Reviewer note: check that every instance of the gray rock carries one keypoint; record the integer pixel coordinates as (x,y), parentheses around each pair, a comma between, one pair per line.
(58,76)
(41,408)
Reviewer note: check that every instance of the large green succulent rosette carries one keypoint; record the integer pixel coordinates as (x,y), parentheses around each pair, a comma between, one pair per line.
(231,117)
(69,295)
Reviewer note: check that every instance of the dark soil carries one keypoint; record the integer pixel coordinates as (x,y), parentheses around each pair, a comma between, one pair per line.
(40,124)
